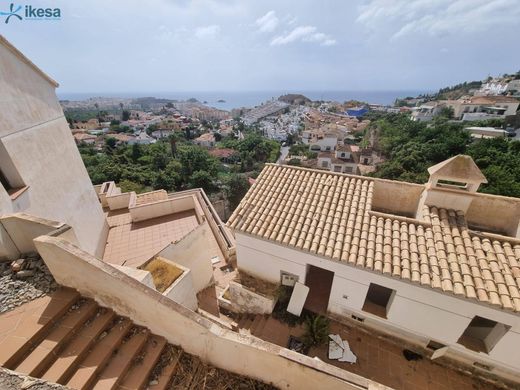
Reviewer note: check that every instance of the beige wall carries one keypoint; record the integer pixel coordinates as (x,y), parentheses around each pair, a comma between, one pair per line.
(194,252)
(231,351)
(244,300)
(182,290)
(37,140)
(495,213)
(161,208)
(404,197)
(416,313)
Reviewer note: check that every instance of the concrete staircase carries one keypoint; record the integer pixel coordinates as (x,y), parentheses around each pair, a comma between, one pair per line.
(252,324)
(67,339)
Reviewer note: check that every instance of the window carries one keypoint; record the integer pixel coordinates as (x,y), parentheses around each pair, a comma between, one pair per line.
(482,334)
(9,176)
(378,300)
(337,168)
(348,170)
(5,182)
(325,164)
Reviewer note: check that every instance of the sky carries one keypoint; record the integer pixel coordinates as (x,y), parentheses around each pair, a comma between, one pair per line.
(245,45)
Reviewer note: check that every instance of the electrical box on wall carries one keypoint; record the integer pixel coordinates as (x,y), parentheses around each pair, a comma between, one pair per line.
(289,279)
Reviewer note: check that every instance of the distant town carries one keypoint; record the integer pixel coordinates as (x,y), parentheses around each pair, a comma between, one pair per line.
(346,137)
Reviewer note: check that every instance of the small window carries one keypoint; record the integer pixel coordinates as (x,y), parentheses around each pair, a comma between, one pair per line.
(9,176)
(482,334)
(378,300)
(5,182)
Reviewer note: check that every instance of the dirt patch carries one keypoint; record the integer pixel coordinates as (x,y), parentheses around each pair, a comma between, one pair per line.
(163,273)
(256,285)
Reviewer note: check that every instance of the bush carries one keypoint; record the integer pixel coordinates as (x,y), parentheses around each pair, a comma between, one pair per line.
(317,329)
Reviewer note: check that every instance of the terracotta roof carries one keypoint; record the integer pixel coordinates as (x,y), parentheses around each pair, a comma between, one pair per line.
(329,214)
(223,153)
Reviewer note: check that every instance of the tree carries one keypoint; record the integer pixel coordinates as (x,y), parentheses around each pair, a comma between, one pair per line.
(125,115)
(110,144)
(201,179)
(447,112)
(236,186)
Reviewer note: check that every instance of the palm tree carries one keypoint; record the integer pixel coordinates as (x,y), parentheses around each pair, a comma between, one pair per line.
(173,138)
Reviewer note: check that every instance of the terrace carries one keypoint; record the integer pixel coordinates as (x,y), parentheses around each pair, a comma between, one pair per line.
(141,226)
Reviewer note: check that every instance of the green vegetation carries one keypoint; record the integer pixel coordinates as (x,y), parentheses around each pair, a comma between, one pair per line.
(411,147)
(176,164)
(317,330)
(302,150)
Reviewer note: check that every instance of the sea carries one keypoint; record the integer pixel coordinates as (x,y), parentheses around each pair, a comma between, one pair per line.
(230,100)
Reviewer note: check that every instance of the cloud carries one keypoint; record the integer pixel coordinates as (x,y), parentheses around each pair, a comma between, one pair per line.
(304,34)
(205,32)
(268,22)
(437,17)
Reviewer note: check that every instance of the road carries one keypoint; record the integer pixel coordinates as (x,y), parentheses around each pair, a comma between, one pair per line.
(284,151)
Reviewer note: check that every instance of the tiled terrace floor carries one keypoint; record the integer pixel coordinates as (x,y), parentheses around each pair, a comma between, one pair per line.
(131,244)
(380,360)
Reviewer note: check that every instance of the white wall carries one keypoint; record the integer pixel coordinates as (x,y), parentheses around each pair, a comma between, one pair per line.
(194,252)
(416,312)
(241,354)
(39,143)
(182,291)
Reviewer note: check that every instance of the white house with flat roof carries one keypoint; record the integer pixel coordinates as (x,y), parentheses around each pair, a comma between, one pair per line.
(437,265)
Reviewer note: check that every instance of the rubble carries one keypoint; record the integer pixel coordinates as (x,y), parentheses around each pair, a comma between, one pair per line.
(24,280)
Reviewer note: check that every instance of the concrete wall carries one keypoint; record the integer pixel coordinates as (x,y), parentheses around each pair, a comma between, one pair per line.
(495,214)
(416,313)
(37,140)
(404,199)
(247,301)
(194,253)
(161,208)
(182,290)
(231,351)
(23,229)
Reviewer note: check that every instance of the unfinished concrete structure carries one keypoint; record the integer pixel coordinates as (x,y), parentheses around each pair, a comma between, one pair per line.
(110,326)
(40,166)
(435,264)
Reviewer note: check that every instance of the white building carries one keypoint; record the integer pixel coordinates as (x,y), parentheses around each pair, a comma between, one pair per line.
(437,265)
(38,172)
(322,142)
(425,112)
(343,160)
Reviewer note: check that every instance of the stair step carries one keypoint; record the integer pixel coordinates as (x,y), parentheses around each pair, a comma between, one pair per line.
(30,324)
(45,352)
(75,351)
(141,369)
(170,361)
(97,358)
(121,361)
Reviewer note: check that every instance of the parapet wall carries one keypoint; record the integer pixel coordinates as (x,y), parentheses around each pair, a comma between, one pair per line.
(241,354)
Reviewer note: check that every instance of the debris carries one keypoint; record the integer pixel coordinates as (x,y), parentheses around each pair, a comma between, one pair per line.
(340,350)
